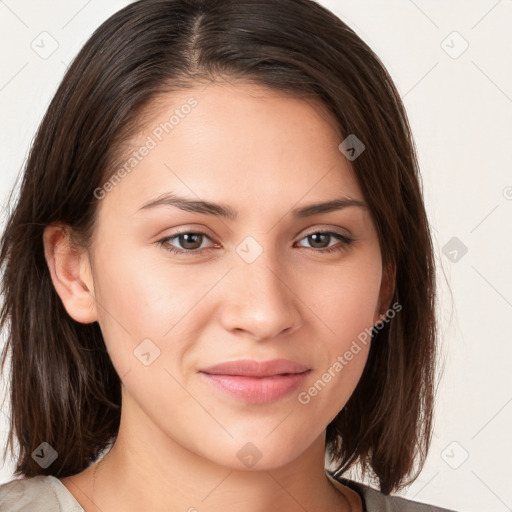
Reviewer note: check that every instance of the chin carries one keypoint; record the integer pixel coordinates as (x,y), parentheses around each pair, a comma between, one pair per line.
(246,453)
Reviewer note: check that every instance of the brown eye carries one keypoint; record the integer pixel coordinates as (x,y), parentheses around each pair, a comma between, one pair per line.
(189,242)
(318,239)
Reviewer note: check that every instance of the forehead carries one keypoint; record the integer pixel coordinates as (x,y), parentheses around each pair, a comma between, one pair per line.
(229,140)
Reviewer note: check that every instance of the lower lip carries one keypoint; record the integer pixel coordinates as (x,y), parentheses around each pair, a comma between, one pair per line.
(257,390)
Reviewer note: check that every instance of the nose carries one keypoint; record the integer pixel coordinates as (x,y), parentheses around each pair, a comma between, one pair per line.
(260,300)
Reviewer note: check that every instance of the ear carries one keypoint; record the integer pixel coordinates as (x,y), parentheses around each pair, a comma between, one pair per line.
(387,289)
(71,274)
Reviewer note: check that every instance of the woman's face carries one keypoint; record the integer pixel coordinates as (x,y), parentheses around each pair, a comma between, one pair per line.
(252,285)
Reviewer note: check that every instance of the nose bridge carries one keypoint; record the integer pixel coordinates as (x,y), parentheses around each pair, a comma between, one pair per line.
(263,273)
(262,303)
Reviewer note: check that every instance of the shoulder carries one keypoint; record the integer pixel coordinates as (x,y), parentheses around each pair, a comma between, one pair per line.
(375,501)
(37,494)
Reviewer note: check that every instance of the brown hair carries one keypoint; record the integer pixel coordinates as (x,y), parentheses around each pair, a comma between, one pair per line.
(64,388)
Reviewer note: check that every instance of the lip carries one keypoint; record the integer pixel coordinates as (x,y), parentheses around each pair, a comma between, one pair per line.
(253,368)
(254,381)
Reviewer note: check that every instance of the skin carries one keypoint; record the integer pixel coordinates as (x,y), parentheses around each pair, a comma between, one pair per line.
(263,154)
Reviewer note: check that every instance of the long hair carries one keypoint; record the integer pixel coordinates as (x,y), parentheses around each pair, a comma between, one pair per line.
(64,388)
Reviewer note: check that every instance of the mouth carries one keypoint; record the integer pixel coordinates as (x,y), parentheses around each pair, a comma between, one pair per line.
(254,381)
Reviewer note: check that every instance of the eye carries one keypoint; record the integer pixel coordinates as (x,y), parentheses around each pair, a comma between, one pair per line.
(191,242)
(319,238)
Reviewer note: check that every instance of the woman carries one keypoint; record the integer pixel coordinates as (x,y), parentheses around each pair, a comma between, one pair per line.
(218,270)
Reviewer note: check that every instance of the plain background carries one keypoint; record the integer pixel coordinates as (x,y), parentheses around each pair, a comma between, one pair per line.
(451,61)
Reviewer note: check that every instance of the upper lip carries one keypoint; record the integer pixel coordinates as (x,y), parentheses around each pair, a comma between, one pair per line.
(253,368)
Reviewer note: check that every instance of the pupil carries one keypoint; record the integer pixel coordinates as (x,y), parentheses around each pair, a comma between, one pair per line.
(186,237)
(315,237)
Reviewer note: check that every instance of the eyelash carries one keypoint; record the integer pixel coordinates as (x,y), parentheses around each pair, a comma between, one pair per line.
(346,241)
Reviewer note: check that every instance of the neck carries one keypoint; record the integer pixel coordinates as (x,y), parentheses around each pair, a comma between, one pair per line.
(145,470)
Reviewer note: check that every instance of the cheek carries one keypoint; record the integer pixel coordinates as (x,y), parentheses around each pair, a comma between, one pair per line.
(344,301)
(345,298)
(141,296)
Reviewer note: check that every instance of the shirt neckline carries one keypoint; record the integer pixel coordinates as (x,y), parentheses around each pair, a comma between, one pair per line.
(336,482)
(340,481)
(67,492)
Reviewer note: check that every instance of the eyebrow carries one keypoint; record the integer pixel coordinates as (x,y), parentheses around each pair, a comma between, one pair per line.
(222,210)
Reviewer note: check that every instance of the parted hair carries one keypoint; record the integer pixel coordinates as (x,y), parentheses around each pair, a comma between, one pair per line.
(63,388)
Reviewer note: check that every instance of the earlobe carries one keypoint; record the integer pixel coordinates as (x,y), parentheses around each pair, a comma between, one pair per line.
(70,272)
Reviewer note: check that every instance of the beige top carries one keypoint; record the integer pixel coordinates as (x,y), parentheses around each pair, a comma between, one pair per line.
(49,494)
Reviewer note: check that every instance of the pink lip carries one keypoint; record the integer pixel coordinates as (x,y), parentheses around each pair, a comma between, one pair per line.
(257,382)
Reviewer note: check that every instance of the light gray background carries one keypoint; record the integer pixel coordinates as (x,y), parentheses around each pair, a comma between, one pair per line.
(459,101)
